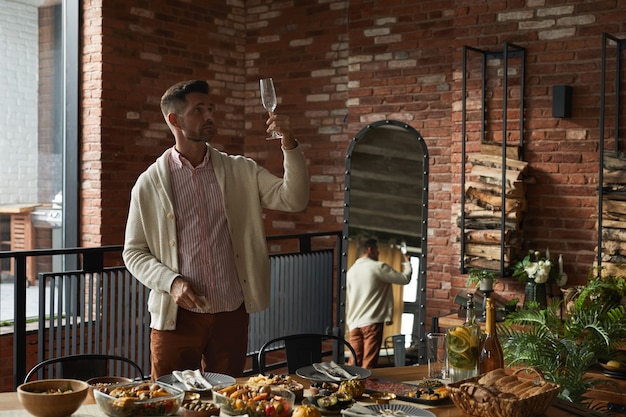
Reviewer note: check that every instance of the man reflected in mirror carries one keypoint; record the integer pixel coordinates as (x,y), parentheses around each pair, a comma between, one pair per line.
(369,300)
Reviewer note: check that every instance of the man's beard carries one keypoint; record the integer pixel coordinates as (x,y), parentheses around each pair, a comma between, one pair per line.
(203,135)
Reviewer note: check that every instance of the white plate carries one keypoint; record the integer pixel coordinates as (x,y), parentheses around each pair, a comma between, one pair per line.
(308,372)
(212,377)
(399,410)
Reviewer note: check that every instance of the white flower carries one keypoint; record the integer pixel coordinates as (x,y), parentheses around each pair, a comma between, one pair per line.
(543,271)
(539,271)
(531,270)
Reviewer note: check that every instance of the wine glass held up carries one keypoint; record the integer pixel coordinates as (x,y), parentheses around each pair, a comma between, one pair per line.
(268,98)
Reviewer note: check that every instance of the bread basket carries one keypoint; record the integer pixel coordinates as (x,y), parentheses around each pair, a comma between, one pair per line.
(494,403)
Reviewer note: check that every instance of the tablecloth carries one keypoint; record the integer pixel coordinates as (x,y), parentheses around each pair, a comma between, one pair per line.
(90,410)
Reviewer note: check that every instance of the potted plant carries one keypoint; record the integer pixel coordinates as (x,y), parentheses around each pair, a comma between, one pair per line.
(511,306)
(563,348)
(482,279)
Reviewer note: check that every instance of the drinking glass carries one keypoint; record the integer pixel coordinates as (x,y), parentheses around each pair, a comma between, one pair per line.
(268,98)
(437,355)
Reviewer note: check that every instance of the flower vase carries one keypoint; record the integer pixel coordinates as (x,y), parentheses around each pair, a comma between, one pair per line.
(535,293)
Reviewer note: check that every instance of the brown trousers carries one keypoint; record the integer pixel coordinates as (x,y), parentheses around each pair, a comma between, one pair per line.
(209,342)
(366,342)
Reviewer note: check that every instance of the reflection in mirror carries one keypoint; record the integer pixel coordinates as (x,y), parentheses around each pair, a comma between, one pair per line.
(386,197)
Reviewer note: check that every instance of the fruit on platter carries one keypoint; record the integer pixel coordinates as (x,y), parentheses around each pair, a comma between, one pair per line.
(354,387)
(306,411)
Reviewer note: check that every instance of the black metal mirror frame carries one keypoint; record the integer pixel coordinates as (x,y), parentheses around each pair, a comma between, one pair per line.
(420,314)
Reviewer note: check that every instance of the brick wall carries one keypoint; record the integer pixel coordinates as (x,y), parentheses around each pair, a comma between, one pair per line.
(6,358)
(339,65)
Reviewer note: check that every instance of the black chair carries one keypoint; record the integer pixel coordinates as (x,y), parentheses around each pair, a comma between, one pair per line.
(86,366)
(300,350)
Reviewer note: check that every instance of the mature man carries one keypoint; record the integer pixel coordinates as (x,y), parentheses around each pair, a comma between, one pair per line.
(195,236)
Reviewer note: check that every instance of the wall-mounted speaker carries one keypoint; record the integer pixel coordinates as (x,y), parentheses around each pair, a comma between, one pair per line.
(562,101)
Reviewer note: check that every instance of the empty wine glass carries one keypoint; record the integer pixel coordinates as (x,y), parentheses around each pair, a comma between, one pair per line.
(268,98)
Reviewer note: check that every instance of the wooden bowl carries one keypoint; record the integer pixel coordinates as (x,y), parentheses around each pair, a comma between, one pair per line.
(52,397)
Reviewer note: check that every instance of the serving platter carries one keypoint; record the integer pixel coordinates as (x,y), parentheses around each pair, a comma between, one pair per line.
(614,374)
(618,372)
(399,410)
(325,411)
(403,391)
(308,372)
(212,377)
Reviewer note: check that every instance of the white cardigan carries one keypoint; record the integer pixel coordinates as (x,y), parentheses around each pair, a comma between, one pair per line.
(150,252)
(369,293)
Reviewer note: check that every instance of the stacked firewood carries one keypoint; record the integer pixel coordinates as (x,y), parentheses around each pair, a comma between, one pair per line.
(484,205)
(613,214)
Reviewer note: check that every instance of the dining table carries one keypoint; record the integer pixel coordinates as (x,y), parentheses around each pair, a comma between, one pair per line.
(10,405)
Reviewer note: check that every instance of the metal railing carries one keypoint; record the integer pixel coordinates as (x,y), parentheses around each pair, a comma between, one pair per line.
(65,329)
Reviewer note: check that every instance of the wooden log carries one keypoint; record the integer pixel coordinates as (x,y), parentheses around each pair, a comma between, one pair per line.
(613,177)
(479,219)
(613,206)
(479,214)
(493,237)
(487,251)
(609,233)
(484,224)
(494,176)
(472,211)
(615,192)
(483,263)
(512,151)
(612,222)
(614,160)
(614,247)
(494,161)
(517,191)
(613,259)
(493,201)
(616,218)
(608,269)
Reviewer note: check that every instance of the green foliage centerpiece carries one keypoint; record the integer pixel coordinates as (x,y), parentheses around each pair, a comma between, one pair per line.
(563,348)
(536,271)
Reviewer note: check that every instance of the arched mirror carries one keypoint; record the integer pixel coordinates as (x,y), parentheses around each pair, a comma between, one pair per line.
(386,197)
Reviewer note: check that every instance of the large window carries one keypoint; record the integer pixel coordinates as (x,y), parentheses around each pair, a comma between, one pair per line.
(38,143)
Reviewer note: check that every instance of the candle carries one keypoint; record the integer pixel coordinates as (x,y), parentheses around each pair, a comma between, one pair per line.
(547,253)
(560,265)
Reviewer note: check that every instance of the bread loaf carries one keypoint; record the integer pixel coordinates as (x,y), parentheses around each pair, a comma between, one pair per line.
(521,387)
(500,393)
(492,376)
(536,390)
(498,383)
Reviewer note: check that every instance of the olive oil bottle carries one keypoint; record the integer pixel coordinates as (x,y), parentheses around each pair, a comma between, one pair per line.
(464,346)
(491,355)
